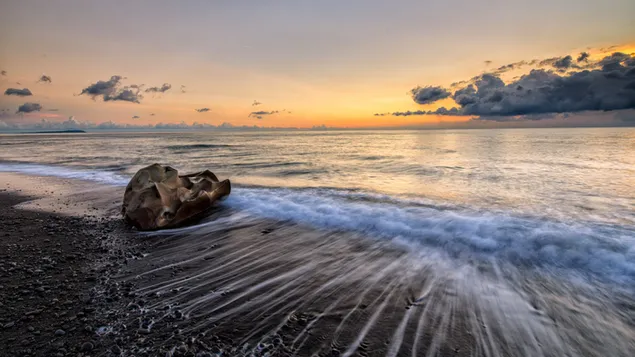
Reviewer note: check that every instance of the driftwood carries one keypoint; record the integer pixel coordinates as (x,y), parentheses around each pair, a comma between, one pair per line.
(158,197)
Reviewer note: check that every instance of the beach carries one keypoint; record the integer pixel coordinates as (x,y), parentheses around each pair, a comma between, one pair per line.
(304,269)
(85,283)
(122,293)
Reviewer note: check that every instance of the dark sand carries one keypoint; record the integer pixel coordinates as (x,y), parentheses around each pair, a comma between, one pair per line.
(49,279)
(240,286)
(89,286)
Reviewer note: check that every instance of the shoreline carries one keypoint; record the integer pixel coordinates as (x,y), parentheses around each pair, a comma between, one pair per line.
(138,294)
(235,285)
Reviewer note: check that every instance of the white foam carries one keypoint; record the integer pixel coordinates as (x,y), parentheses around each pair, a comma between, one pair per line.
(582,248)
(105,177)
(585,248)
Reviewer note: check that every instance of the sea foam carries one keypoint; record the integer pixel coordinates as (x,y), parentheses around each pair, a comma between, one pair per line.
(604,251)
(105,177)
(584,249)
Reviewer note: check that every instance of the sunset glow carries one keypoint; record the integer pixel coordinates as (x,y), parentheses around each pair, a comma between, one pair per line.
(224,57)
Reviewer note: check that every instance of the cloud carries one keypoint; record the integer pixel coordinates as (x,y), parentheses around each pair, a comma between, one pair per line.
(429,94)
(3,72)
(440,111)
(381,114)
(617,61)
(45,78)
(583,57)
(561,64)
(164,88)
(54,110)
(510,67)
(487,62)
(183,89)
(102,88)
(25,92)
(202,110)
(608,85)
(111,90)
(151,114)
(136,117)
(126,94)
(72,123)
(255,103)
(29,107)
(261,114)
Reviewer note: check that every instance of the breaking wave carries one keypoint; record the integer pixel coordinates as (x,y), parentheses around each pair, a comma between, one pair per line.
(587,250)
(105,177)
(576,249)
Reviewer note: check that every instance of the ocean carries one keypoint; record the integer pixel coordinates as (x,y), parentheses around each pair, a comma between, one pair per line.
(529,234)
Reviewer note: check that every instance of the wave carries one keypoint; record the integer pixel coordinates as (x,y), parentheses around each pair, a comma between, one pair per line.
(197,146)
(588,250)
(105,177)
(578,248)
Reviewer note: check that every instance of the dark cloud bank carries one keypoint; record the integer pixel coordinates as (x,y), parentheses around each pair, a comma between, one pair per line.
(112,90)
(567,85)
(24,92)
(202,110)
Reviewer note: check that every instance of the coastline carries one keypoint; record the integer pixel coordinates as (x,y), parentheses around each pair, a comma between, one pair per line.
(121,292)
(236,285)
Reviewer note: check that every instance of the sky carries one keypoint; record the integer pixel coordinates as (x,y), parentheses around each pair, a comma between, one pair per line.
(344,63)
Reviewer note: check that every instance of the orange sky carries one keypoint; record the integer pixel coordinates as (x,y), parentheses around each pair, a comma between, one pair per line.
(337,75)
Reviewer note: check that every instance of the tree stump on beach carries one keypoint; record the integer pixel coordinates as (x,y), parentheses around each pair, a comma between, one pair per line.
(158,197)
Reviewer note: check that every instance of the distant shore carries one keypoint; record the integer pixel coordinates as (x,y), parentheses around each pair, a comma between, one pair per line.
(68,131)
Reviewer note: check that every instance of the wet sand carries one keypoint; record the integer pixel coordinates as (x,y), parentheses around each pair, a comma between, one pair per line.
(236,285)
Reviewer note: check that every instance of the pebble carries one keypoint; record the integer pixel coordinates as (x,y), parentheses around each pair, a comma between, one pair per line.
(115,349)
(87,346)
(60,332)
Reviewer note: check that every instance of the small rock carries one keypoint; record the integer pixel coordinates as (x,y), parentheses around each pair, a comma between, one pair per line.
(60,332)
(87,346)
(115,349)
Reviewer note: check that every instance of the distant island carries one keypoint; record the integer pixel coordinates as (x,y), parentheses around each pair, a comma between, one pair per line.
(55,131)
